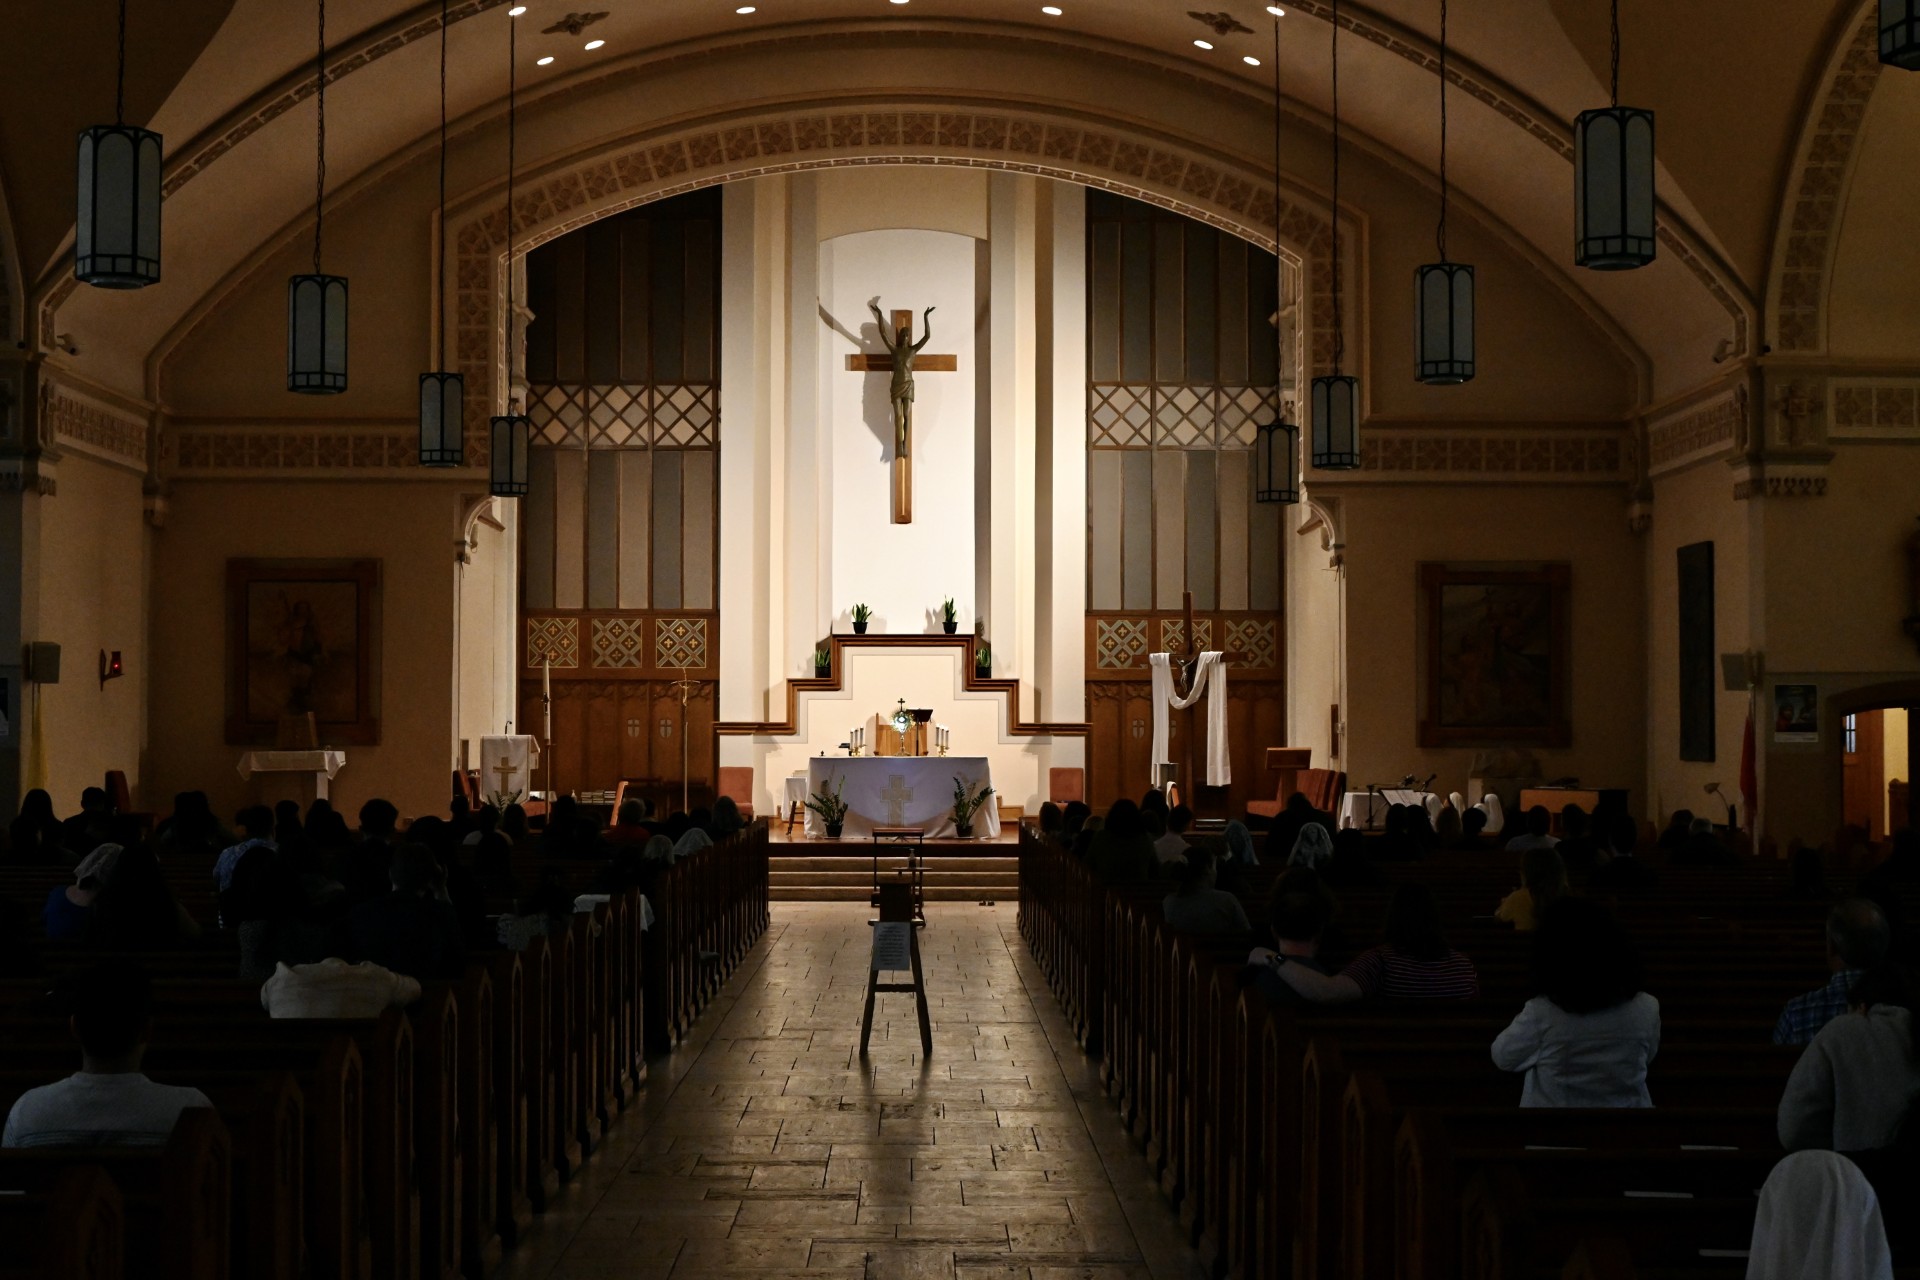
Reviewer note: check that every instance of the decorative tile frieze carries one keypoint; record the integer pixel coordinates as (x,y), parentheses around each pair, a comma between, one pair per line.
(1119,643)
(1176,417)
(79,421)
(1873,408)
(289,448)
(1703,431)
(1256,638)
(1173,634)
(555,640)
(625,416)
(1571,455)
(680,642)
(619,642)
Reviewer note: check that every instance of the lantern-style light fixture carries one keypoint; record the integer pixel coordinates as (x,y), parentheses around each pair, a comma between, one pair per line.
(116,242)
(1335,398)
(1443,290)
(1276,445)
(512,432)
(1900,34)
(1613,196)
(316,301)
(443,395)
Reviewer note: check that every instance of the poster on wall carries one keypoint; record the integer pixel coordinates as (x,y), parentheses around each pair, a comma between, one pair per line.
(1796,713)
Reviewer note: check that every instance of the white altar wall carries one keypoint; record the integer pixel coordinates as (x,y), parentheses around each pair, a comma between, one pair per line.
(902,571)
(875,678)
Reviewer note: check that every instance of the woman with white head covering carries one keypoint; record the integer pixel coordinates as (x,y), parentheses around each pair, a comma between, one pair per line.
(1240,844)
(691,843)
(658,849)
(1312,847)
(1818,1220)
(68,907)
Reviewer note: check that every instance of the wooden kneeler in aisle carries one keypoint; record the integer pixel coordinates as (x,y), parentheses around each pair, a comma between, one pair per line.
(896,946)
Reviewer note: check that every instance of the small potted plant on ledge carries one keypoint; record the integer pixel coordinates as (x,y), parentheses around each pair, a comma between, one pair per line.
(831,808)
(965,805)
(983,660)
(949,616)
(860,615)
(822,663)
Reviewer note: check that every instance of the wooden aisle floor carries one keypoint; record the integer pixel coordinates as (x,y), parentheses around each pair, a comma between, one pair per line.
(763,1148)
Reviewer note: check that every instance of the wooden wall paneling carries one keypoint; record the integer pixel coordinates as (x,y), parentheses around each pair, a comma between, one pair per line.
(1103,276)
(601,303)
(1169,359)
(700,361)
(1104,566)
(1230,530)
(1169,527)
(1200,307)
(636,530)
(536,529)
(1235,332)
(668,292)
(1136,519)
(569,266)
(636,341)
(699,530)
(667,499)
(604,536)
(1198,511)
(569,528)
(1266,567)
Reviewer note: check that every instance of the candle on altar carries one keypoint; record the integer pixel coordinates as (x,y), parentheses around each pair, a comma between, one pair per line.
(546,700)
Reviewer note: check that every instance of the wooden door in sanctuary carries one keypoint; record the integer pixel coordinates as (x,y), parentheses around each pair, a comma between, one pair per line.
(619,532)
(1184,361)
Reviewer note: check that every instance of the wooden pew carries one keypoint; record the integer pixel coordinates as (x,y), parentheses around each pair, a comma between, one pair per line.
(72,1226)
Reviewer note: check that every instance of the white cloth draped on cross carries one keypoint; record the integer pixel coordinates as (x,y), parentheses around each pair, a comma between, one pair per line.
(1210,679)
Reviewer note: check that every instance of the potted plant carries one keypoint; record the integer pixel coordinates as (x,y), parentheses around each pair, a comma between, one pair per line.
(822,663)
(965,805)
(983,660)
(860,615)
(831,808)
(949,616)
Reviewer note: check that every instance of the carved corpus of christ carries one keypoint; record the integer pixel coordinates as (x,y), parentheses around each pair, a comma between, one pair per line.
(903,353)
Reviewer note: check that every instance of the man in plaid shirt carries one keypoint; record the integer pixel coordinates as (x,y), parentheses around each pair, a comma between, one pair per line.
(1857,940)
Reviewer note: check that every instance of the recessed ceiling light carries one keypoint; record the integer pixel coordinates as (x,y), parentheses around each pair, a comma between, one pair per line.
(544,61)
(899,1)
(1202,44)
(1051,10)
(745,8)
(1250,60)
(516,11)
(594,44)
(1276,11)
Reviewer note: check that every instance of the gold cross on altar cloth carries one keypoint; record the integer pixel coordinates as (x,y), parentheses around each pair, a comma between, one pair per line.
(896,795)
(917,362)
(504,771)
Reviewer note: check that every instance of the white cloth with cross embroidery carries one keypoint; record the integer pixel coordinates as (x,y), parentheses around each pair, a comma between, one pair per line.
(1210,678)
(506,766)
(901,791)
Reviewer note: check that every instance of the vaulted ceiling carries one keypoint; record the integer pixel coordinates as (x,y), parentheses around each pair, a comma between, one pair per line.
(227,83)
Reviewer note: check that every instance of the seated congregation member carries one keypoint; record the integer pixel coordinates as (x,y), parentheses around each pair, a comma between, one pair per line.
(410,930)
(726,818)
(1350,867)
(87,829)
(36,836)
(1169,845)
(1239,845)
(1818,1219)
(332,988)
(1679,825)
(1414,963)
(1578,849)
(1312,848)
(256,831)
(1543,881)
(1301,909)
(1619,868)
(108,1102)
(70,907)
(1121,852)
(364,865)
(630,825)
(1446,827)
(1702,847)
(1473,823)
(1073,817)
(1536,833)
(191,831)
(1586,1039)
(269,913)
(692,841)
(135,910)
(513,825)
(1857,940)
(1049,819)
(1196,906)
(1855,1084)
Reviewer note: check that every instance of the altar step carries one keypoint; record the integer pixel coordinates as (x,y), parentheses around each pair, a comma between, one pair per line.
(850,879)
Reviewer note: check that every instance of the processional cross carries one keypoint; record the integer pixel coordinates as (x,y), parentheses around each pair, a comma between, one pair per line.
(902,359)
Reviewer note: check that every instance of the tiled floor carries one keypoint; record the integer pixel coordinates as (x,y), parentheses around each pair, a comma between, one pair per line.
(766,1146)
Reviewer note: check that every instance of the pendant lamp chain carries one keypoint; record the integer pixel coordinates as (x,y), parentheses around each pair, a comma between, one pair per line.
(440,264)
(1441,235)
(320,138)
(1339,324)
(513,80)
(120,82)
(1616,52)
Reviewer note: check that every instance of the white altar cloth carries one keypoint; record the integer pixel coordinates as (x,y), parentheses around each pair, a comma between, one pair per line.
(322,765)
(507,764)
(1368,811)
(901,791)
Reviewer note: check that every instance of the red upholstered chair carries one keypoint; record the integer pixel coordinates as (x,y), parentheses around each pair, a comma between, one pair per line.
(736,783)
(120,796)
(1064,786)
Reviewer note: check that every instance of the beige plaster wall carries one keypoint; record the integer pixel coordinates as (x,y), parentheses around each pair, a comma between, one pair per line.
(93,596)
(1872,308)
(1315,661)
(408,526)
(1695,505)
(1390,530)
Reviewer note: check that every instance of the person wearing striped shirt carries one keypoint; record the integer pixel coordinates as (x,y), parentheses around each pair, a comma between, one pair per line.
(1414,963)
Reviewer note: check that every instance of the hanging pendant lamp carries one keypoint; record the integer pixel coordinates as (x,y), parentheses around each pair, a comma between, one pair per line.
(1276,453)
(1335,398)
(1443,290)
(443,395)
(317,302)
(1900,34)
(116,241)
(1613,214)
(512,432)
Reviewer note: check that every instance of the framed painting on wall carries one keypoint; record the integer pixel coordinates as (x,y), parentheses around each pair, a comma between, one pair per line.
(303,638)
(1494,657)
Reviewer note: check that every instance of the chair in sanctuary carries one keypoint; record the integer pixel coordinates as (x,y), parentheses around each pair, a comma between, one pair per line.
(736,783)
(121,798)
(1064,786)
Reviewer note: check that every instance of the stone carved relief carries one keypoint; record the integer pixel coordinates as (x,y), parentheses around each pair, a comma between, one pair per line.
(1799,415)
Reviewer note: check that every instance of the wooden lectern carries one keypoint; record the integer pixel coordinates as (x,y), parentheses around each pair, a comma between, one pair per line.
(1286,764)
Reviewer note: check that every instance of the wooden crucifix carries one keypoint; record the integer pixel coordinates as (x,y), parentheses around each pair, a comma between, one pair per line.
(902,360)
(1185,661)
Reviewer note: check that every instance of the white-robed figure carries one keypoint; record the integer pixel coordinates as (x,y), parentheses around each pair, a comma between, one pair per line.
(1818,1220)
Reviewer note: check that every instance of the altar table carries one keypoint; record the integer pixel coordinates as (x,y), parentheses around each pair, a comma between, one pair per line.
(901,791)
(1368,811)
(319,766)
